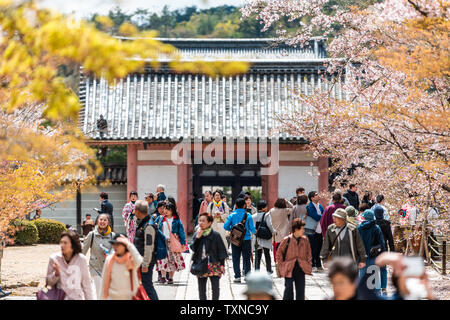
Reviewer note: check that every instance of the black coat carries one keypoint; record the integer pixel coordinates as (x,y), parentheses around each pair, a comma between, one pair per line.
(352,198)
(385,227)
(106,207)
(214,248)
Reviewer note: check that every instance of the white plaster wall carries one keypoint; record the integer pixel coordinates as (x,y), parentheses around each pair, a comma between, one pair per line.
(148,177)
(291,177)
(66,211)
(296,156)
(154,155)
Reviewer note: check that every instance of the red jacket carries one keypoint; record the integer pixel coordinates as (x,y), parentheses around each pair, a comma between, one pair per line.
(300,252)
(327,217)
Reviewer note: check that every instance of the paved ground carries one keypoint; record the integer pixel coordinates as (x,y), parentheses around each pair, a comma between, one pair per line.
(28,265)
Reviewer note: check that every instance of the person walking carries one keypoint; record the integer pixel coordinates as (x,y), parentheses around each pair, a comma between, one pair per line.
(259,286)
(352,215)
(160,195)
(343,239)
(373,240)
(299,210)
(98,242)
(220,211)
(87,225)
(368,198)
(157,219)
(385,227)
(120,271)
(106,207)
(314,212)
(172,227)
(68,269)
(327,217)
(295,260)
(208,244)
(343,200)
(380,203)
(298,192)
(343,275)
(263,245)
(159,213)
(245,249)
(205,203)
(152,202)
(128,216)
(249,207)
(279,214)
(145,242)
(352,196)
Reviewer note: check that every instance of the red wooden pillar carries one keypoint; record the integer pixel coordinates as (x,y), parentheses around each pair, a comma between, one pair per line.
(183,195)
(323,178)
(272,189)
(131,168)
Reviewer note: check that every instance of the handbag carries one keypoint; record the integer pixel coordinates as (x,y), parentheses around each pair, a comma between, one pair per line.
(50,294)
(199,268)
(375,250)
(174,243)
(141,294)
(278,265)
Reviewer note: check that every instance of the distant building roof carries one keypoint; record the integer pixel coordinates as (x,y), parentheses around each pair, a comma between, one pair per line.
(162,105)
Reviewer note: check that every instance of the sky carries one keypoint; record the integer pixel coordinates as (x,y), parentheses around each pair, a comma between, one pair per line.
(83,8)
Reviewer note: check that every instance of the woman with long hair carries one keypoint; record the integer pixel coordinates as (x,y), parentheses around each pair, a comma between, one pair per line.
(172,226)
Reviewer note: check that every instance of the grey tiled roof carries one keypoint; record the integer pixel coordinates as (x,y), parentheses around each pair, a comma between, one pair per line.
(161,105)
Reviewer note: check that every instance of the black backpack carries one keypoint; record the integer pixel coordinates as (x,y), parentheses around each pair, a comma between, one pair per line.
(262,230)
(237,233)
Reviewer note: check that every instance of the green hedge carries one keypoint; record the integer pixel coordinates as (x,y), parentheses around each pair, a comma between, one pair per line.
(49,230)
(26,232)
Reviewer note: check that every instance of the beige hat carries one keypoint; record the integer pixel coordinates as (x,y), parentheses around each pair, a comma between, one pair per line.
(340,213)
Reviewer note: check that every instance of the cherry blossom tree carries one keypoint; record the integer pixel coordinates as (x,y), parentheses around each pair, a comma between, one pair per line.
(392,126)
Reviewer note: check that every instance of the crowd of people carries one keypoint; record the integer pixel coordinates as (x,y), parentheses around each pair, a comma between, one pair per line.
(346,237)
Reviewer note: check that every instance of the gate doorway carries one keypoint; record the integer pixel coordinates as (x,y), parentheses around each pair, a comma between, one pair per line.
(234,176)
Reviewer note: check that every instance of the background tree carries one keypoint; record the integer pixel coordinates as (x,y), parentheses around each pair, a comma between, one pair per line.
(393,125)
(42,149)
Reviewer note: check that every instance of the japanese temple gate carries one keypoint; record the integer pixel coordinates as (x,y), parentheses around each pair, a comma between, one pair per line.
(152,112)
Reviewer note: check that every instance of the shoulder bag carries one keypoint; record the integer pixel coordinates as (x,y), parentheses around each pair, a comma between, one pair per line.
(175,244)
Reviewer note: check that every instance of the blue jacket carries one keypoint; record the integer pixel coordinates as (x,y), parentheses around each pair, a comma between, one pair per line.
(161,197)
(177,228)
(236,217)
(368,230)
(313,217)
